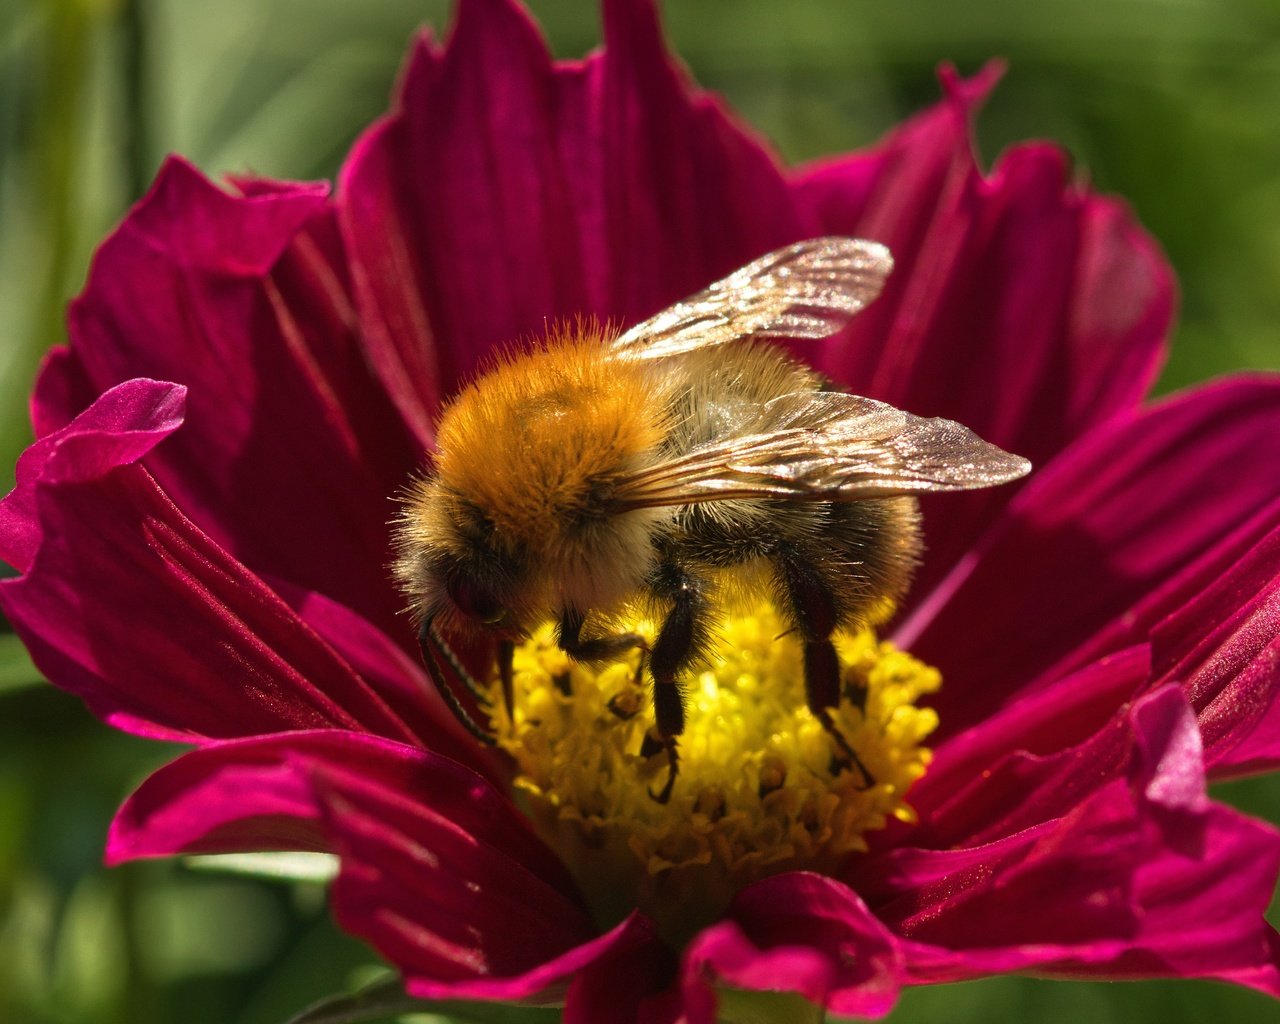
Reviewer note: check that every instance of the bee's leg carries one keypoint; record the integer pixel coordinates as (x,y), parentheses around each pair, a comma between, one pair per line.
(813,607)
(597,648)
(680,640)
(506,672)
(600,648)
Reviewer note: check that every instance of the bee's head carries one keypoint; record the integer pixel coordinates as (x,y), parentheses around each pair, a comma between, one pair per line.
(453,567)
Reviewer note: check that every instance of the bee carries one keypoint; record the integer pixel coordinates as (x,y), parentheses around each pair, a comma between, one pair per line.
(654,467)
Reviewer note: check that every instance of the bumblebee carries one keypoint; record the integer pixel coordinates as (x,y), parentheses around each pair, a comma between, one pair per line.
(669,466)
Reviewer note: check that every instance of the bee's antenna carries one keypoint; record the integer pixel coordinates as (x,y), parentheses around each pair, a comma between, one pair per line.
(455,663)
(433,647)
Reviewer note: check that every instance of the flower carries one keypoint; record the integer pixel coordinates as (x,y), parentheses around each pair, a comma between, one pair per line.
(201,531)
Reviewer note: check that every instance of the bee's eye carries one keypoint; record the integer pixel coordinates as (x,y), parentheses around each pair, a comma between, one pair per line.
(475,601)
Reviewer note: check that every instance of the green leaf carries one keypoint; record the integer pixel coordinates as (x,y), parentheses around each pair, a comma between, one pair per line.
(16,669)
(739,1006)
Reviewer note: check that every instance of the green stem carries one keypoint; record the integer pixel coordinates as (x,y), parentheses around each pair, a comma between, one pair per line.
(137,120)
(59,103)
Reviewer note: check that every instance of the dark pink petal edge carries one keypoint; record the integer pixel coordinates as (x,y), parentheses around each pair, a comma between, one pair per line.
(1022,304)
(1223,648)
(507,192)
(129,421)
(290,453)
(1114,535)
(127,603)
(1142,877)
(438,870)
(801,933)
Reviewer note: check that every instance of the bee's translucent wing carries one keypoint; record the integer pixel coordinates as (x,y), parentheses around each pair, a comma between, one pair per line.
(827,446)
(807,290)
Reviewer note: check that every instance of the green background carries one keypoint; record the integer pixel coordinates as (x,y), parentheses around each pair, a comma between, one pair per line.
(1173,103)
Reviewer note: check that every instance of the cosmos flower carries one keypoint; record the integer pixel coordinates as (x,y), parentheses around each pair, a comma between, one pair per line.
(201,531)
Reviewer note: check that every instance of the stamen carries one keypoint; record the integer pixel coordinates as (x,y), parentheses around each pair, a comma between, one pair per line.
(762,786)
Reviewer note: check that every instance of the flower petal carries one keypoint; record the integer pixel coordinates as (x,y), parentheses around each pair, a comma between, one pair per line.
(1198,918)
(234,796)
(1149,505)
(507,192)
(438,870)
(1022,285)
(629,984)
(396,677)
(123,427)
(289,452)
(1144,876)
(125,602)
(797,932)
(1223,647)
(446,879)
(1031,760)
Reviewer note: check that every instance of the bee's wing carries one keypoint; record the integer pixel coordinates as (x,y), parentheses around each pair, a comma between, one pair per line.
(827,446)
(807,290)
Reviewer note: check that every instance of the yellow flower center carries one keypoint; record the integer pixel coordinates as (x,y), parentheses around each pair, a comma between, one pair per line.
(761,786)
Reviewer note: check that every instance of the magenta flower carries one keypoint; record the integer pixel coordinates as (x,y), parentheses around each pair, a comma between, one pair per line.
(253,372)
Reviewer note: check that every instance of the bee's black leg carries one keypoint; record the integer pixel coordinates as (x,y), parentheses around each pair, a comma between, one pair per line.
(506,672)
(592,649)
(680,640)
(814,610)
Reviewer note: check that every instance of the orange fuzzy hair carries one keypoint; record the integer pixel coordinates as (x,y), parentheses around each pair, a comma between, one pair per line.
(541,439)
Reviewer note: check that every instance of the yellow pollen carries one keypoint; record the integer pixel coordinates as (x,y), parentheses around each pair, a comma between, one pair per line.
(761,788)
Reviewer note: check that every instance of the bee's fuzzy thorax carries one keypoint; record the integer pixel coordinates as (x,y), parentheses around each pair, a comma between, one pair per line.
(541,439)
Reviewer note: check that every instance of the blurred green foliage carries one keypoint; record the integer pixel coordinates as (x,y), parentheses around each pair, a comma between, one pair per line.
(1172,103)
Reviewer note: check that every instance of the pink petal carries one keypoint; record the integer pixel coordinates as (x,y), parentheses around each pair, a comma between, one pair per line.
(446,879)
(627,985)
(688,194)
(1199,918)
(802,933)
(1223,647)
(1022,287)
(507,192)
(398,678)
(1149,505)
(62,390)
(124,426)
(290,453)
(234,796)
(1031,761)
(1143,877)
(127,603)
(438,870)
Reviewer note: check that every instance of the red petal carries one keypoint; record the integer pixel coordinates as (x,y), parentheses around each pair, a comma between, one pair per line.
(438,870)
(797,932)
(397,678)
(506,193)
(446,879)
(234,796)
(1137,508)
(1144,877)
(289,455)
(1223,647)
(1031,760)
(121,428)
(630,984)
(1021,305)
(127,603)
